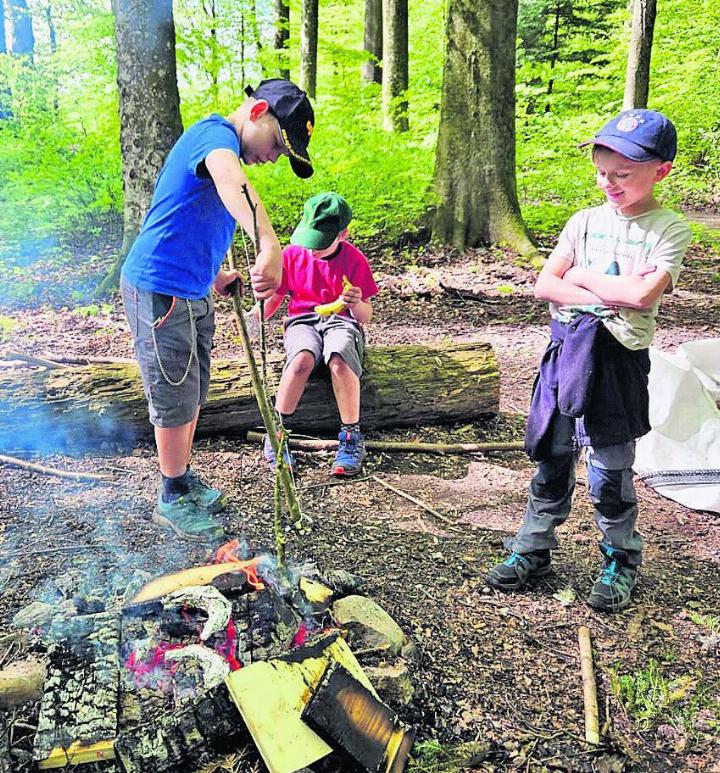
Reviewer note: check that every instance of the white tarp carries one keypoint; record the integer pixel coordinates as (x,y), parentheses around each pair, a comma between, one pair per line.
(680,456)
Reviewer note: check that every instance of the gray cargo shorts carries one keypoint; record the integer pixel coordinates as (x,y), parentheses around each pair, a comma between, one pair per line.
(325,336)
(172,338)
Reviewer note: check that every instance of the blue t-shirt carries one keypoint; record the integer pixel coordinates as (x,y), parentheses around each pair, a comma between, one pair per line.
(187,231)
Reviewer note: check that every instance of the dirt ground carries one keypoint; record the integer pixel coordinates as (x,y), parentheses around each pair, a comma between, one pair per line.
(498,670)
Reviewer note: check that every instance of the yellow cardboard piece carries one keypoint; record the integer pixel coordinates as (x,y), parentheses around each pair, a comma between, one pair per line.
(271,694)
(77,754)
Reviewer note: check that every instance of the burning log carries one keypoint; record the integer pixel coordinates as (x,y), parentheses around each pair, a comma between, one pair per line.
(402,386)
(79,710)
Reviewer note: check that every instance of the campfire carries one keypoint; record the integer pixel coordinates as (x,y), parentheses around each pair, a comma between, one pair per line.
(208,660)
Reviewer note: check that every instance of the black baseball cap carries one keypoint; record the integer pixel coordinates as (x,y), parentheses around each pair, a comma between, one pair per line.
(640,135)
(294,113)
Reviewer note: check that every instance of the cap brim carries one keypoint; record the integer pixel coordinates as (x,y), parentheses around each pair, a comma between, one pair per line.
(311,239)
(302,168)
(622,146)
(299,158)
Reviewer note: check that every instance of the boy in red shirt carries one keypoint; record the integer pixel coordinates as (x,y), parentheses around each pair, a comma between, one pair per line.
(316,265)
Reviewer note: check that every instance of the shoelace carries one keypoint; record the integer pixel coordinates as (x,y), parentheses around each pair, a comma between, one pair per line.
(610,573)
(515,558)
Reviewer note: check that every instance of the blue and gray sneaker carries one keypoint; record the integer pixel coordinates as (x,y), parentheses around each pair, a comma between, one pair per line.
(187,519)
(269,454)
(212,499)
(350,454)
(518,569)
(612,590)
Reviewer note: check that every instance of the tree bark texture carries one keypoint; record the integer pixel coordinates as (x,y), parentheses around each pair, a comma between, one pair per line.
(475,158)
(23,40)
(103,406)
(150,120)
(371,69)
(637,77)
(308,46)
(395,65)
(282,36)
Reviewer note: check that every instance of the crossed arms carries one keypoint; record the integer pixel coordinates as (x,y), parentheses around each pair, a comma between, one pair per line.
(566,285)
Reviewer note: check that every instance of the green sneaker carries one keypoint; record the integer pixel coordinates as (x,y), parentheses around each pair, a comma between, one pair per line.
(187,519)
(518,569)
(212,499)
(612,590)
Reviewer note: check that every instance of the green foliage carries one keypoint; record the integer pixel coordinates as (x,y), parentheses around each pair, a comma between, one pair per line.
(652,698)
(59,150)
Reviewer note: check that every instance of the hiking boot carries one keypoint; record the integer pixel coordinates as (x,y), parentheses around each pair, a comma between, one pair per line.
(269,455)
(212,499)
(350,454)
(518,569)
(187,519)
(612,590)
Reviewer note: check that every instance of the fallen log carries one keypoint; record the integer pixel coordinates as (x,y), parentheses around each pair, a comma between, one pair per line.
(75,409)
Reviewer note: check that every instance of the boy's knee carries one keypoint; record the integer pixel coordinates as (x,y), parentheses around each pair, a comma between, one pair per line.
(337,364)
(302,364)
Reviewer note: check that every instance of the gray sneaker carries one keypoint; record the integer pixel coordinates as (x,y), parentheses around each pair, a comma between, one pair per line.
(187,519)
(212,499)
(518,569)
(612,590)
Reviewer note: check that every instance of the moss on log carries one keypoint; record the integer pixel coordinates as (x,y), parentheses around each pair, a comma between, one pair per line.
(103,405)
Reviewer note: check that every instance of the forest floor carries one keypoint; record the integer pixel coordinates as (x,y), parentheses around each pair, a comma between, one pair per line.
(497,676)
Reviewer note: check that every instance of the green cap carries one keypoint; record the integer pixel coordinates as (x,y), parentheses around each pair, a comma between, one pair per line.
(325,215)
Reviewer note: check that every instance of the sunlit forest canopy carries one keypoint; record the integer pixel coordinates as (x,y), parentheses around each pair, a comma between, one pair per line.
(60,161)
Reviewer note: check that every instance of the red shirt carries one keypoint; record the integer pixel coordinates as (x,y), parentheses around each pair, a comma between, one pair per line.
(310,281)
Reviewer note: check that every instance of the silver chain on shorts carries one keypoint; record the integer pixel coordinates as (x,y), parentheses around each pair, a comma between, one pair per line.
(193,349)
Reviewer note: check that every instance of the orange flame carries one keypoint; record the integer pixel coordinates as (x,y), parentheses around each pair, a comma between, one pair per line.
(228,554)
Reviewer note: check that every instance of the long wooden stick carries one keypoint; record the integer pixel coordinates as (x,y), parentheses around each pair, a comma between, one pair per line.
(12,461)
(32,360)
(414,500)
(266,411)
(397,446)
(592,733)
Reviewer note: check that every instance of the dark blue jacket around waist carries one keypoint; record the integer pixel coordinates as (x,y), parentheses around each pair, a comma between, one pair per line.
(585,372)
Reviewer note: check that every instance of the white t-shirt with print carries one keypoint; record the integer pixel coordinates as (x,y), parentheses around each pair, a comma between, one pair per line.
(603,240)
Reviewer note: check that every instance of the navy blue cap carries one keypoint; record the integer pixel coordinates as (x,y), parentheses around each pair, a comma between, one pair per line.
(640,135)
(292,108)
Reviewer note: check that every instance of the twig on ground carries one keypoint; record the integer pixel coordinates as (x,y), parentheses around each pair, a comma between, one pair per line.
(592,733)
(396,446)
(425,506)
(32,360)
(12,461)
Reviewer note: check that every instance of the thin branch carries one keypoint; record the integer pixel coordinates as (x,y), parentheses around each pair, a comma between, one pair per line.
(12,461)
(398,446)
(414,500)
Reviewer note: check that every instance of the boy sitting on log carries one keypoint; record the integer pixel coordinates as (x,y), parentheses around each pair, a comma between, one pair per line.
(604,280)
(330,284)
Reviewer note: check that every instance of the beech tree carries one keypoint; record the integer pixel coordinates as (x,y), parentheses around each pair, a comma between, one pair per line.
(475,159)
(395,64)
(637,78)
(308,46)
(282,36)
(23,40)
(149,106)
(371,69)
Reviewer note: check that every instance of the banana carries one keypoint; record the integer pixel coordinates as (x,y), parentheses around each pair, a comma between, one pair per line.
(337,306)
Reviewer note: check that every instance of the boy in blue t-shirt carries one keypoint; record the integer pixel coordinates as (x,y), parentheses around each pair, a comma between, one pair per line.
(176,259)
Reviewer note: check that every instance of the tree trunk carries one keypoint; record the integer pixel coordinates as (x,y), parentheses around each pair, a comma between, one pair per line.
(52,34)
(3,40)
(395,65)
(554,56)
(475,157)
(23,40)
(282,36)
(104,405)
(371,70)
(150,120)
(637,78)
(308,46)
